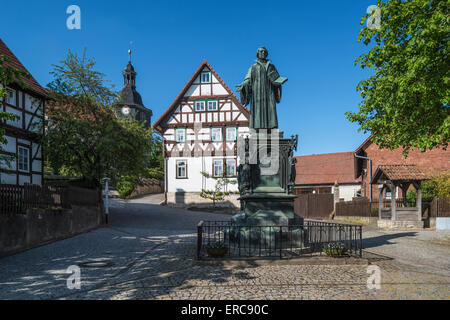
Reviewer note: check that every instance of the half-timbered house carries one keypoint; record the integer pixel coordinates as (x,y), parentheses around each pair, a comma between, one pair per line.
(21,135)
(199,132)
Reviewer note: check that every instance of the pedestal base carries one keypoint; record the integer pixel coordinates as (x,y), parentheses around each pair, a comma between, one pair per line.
(266,209)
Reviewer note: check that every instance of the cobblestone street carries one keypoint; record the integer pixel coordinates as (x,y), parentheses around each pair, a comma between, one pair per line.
(151,251)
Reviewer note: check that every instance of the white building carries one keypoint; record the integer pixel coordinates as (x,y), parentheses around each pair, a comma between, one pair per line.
(199,131)
(21,135)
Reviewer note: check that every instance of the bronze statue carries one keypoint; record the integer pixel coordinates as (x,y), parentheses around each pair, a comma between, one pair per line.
(262,88)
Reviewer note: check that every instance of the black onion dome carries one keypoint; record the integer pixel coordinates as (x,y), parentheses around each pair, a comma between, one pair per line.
(129,96)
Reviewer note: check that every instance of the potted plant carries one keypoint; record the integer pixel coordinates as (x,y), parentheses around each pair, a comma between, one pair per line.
(336,249)
(217,250)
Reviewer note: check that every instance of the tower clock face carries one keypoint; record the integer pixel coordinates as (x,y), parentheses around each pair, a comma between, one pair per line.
(126,111)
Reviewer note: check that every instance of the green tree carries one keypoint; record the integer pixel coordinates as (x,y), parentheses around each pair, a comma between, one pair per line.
(218,193)
(437,186)
(83,136)
(405,102)
(8,75)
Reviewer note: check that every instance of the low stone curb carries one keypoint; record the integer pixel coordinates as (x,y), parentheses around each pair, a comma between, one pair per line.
(245,262)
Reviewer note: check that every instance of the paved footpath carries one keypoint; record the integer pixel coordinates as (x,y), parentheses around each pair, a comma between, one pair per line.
(150,249)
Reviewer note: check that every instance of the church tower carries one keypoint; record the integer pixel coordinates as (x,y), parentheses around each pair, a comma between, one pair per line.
(129,103)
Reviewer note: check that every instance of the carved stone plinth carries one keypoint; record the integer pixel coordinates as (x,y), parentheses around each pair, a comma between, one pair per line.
(266,180)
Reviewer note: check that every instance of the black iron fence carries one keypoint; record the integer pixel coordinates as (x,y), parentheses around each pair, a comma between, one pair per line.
(276,241)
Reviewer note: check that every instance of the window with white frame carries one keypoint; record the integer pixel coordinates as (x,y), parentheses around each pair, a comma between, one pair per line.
(24,159)
(216,134)
(180,135)
(231,133)
(181,169)
(213,105)
(231,167)
(205,77)
(217,167)
(200,106)
(10,96)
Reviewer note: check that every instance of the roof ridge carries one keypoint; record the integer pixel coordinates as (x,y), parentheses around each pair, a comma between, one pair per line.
(187,86)
(15,63)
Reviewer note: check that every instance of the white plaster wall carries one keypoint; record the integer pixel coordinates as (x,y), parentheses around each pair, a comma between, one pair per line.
(10,146)
(23,180)
(347,192)
(6,178)
(14,123)
(37,179)
(195,181)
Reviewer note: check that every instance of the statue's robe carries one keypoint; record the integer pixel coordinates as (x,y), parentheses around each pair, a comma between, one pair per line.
(260,89)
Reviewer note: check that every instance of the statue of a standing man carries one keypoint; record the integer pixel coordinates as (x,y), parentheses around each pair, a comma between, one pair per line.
(262,88)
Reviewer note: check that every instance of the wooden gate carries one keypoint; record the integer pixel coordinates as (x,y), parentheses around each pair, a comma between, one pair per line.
(314,206)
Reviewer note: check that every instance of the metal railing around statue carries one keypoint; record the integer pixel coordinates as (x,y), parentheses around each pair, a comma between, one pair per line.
(277,241)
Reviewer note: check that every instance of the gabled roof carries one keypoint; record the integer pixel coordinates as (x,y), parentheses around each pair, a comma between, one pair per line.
(365,144)
(399,172)
(31,83)
(325,169)
(187,86)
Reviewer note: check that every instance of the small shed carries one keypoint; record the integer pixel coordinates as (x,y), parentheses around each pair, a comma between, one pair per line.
(402,176)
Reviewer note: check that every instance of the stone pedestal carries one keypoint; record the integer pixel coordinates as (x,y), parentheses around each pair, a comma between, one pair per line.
(266,180)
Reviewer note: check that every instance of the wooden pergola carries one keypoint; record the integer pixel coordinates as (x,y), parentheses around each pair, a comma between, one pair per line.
(402,176)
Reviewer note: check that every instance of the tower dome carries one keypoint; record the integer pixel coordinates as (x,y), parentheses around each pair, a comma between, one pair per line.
(129,101)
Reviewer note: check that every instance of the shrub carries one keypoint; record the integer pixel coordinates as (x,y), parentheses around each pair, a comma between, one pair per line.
(153,173)
(335,249)
(125,186)
(374,212)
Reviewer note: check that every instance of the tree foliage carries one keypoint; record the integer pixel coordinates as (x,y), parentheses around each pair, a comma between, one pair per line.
(437,186)
(84,138)
(405,103)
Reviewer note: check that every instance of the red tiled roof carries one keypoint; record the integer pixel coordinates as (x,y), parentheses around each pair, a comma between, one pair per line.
(186,87)
(325,169)
(399,172)
(31,83)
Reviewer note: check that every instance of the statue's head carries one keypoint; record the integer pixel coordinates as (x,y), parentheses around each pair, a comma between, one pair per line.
(262,53)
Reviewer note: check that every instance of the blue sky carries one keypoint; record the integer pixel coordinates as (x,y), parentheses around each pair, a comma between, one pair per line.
(313,43)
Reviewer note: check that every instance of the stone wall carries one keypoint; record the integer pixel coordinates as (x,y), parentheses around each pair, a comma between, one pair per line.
(442,223)
(395,224)
(191,199)
(39,226)
(149,186)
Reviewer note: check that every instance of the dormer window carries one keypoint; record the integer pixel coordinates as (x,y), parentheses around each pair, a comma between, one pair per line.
(200,106)
(205,77)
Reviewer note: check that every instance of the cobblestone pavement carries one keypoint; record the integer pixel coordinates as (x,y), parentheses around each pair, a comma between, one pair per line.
(152,248)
